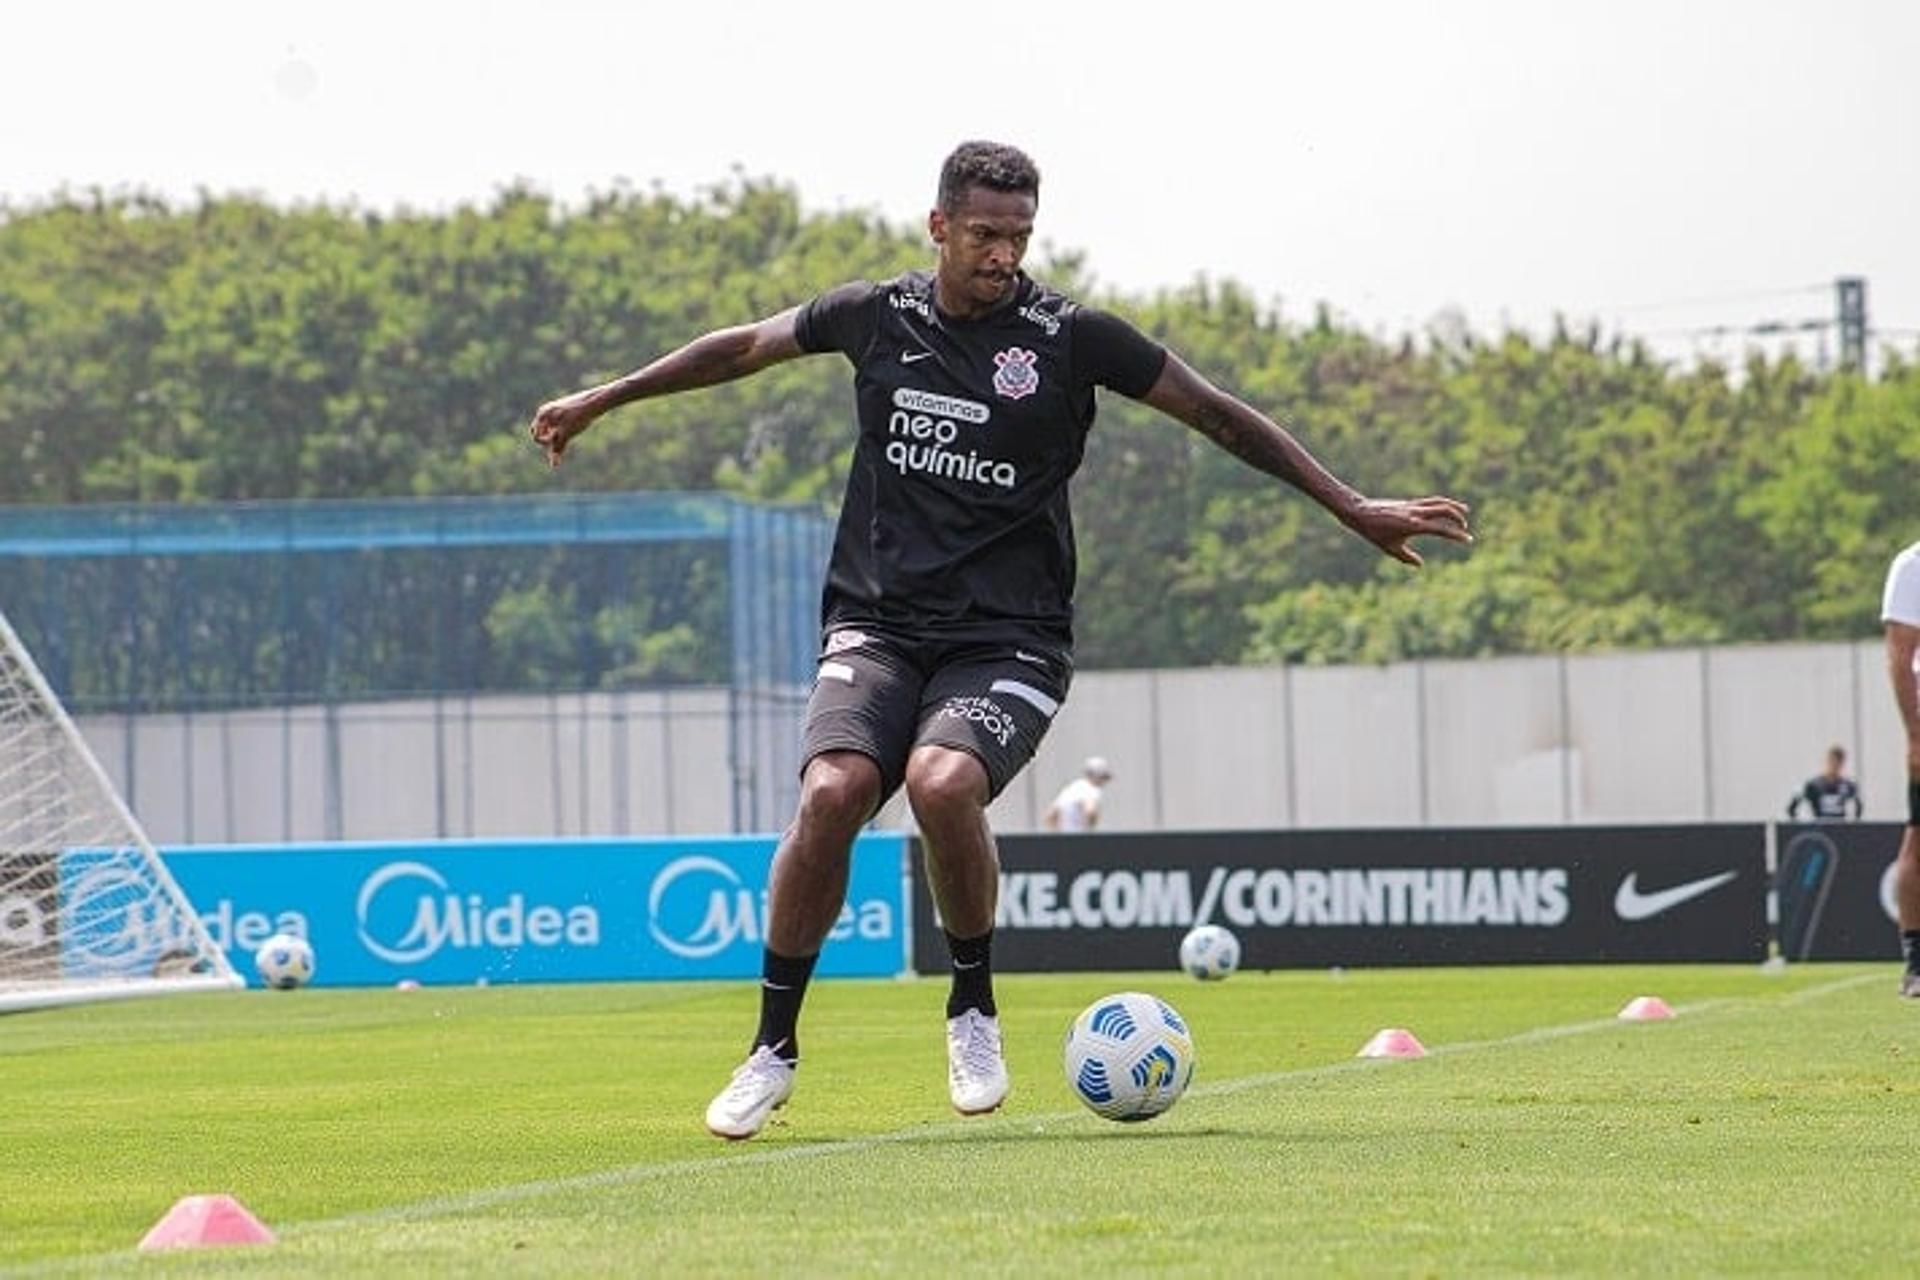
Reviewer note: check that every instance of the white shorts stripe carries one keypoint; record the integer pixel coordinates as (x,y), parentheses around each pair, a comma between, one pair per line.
(1027,694)
(836,671)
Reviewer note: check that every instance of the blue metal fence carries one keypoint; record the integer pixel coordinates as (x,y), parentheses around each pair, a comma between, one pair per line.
(141,609)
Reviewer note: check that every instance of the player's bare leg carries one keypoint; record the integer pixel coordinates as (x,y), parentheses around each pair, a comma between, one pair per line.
(949,791)
(1906,896)
(808,883)
(806,888)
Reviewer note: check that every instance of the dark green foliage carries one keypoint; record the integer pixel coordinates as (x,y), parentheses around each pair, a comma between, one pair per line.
(233,350)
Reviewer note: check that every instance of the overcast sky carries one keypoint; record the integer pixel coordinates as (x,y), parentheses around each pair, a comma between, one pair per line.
(1508,159)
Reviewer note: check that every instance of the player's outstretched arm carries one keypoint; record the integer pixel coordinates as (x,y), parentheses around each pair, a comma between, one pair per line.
(720,356)
(1257,440)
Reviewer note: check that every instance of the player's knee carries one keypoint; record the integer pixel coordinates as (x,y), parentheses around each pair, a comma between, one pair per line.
(840,790)
(941,781)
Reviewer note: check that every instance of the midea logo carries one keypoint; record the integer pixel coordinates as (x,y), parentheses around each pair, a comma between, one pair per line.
(729,917)
(444,918)
(731,913)
(113,919)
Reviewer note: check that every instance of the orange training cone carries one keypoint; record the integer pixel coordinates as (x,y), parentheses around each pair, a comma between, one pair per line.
(1646,1009)
(198,1221)
(1393,1042)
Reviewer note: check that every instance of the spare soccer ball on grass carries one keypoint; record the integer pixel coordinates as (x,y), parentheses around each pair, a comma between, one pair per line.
(1129,1056)
(284,961)
(1209,952)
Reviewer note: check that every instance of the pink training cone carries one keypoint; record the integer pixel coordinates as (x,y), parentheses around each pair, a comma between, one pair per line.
(1393,1042)
(199,1221)
(1646,1009)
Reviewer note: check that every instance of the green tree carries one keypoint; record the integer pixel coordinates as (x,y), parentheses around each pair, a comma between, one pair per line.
(230,349)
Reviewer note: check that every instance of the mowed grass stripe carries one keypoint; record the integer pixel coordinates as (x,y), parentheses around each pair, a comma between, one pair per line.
(725,1164)
(493,1197)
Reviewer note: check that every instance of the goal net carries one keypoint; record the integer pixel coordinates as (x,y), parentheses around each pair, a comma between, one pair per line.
(87,910)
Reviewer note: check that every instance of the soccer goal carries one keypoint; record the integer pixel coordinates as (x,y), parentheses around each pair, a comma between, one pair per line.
(87,909)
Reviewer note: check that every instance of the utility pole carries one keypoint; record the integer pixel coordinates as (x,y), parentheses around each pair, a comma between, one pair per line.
(1850,300)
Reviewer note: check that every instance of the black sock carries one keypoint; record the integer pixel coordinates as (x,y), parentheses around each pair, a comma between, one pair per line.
(972,975)
(1910,945)
(783,985)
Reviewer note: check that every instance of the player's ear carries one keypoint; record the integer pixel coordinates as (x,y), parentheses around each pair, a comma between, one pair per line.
(937,225)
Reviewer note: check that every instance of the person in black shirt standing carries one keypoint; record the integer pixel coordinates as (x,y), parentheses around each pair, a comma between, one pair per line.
(1829,794)
(947,618)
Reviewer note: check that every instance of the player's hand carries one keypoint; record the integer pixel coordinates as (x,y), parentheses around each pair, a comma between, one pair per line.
(557,422)
(1391,524)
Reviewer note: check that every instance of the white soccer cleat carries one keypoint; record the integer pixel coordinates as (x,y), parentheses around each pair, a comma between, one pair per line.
(760,1086)
(976,1073)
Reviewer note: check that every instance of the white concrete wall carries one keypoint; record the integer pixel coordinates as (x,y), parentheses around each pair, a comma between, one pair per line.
(1639,722)
(1356,735)
(1880,750)
(1672,736)
(598,764)
(1224,760)
(1772,712)
(1496,739)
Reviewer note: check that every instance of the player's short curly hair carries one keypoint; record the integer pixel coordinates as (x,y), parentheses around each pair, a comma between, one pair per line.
(992,165)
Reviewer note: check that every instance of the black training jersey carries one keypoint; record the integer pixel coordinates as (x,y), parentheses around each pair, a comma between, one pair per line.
(956,520)
(1827,798)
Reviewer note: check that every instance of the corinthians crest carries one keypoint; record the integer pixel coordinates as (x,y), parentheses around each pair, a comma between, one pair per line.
(1016,377)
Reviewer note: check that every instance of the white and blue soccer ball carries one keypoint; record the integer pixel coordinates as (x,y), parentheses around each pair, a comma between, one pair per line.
(284,961)
(1129,1056)
(1209,952)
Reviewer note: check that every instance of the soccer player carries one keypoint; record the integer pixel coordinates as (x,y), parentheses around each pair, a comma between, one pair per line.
(1077,807)
(1900,612)
(947,636)
(1829,794)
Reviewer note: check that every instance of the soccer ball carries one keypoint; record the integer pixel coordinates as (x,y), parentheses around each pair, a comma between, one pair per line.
(285,961)
(1209,952)
(1129,1056)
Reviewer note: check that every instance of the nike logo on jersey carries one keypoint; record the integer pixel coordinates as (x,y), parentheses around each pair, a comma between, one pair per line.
(911,357)
(1631,904)
(1032,658)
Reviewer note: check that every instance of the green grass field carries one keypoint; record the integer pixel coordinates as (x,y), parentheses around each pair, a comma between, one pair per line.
(1772,1127)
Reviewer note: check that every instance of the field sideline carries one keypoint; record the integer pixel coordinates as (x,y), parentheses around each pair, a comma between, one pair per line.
(556,1130)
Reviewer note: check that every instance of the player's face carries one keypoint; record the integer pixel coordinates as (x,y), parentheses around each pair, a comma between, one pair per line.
(982,243)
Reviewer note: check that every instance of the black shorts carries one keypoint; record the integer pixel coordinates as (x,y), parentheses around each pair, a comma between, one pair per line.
(882,694)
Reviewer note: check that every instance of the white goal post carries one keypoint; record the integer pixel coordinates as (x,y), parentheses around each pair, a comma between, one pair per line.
(87,909)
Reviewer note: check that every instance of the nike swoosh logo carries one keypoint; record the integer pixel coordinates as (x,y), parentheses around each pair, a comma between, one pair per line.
(908,357)
(1631,904)
(1033,658)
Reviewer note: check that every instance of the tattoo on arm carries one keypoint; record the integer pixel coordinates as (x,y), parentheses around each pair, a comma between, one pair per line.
(1249,435)
(1242,434)
(713,358)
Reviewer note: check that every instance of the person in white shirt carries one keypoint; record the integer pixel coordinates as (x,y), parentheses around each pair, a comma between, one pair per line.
(1077,807)
(1900,612)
